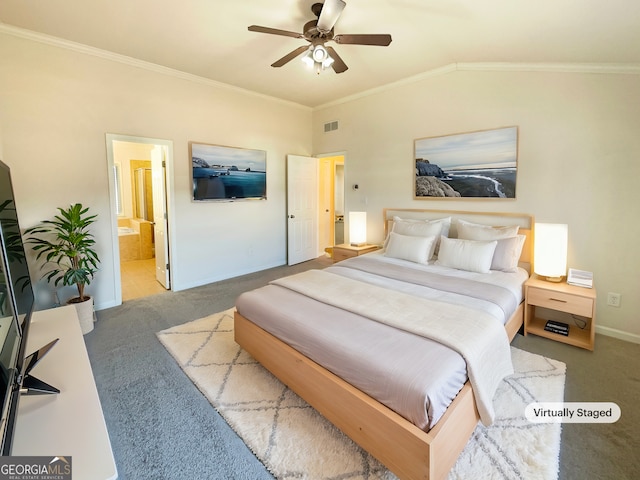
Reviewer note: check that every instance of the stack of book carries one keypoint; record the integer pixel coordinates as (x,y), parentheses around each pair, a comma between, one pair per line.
(557,327)
(580,278)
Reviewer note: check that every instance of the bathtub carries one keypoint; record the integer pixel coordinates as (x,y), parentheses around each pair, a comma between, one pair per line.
(136,239)
(129,241)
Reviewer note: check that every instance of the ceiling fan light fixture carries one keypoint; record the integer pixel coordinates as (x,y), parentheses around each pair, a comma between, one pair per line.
(317,32)
(307,58)
(320,53)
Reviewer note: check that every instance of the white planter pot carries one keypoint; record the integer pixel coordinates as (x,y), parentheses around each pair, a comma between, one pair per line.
(85,315)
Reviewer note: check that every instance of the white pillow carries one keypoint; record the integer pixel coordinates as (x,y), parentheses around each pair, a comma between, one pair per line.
(470,255)
(412,248)
(422,228)
(475,231)
(507,254)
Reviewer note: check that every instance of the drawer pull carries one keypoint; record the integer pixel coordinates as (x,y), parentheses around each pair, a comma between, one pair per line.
(558,300)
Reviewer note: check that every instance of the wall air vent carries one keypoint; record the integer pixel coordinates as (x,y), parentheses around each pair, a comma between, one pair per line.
(330,127)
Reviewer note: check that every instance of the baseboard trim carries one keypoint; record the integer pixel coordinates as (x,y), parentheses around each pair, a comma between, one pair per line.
(619,334)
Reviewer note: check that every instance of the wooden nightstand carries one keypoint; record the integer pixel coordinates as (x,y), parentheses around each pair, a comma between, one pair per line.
(575,306)
(344,251)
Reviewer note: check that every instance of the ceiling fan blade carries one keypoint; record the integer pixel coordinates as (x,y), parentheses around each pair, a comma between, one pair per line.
(381,40)
(338,64)
(331,10)
(274,31)
(290,56)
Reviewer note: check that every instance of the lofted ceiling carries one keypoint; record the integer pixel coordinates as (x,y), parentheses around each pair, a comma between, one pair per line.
(209,38)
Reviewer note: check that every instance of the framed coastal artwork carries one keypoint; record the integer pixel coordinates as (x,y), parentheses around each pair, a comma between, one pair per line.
(222,173)
(481,164)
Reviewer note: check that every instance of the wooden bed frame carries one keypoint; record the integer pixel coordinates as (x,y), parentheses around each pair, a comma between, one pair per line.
(402,447)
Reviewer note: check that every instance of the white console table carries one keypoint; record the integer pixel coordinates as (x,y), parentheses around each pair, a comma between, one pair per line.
(70,423)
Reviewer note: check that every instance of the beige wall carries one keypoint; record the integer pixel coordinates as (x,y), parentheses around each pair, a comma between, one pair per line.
(57,104)
(579,160)
(578,156)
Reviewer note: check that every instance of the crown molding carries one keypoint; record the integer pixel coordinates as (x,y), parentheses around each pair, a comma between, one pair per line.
(593,68)
(603,68)
(597,68)
(134,62)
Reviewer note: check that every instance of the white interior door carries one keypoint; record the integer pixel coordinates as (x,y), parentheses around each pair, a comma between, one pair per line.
(158,176)
(302,208)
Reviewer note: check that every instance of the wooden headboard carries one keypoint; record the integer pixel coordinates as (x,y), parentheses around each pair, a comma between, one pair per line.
(523,220)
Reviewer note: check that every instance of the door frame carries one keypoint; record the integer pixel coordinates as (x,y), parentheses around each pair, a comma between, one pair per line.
(110,138)
(319,156)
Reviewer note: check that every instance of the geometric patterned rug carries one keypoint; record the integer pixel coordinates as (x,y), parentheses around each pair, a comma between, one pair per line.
(293,441)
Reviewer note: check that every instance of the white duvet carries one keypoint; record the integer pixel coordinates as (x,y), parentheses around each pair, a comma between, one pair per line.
(411,374)
(476,335)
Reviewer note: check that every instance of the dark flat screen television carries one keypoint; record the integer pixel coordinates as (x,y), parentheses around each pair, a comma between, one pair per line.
(16,307)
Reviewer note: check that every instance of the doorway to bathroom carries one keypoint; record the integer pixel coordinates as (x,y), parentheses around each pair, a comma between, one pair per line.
(331,202)
(139,200)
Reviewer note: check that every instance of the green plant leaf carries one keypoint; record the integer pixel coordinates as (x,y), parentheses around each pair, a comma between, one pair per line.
(66,244)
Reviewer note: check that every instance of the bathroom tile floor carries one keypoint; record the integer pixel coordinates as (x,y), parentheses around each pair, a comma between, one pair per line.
(139,279)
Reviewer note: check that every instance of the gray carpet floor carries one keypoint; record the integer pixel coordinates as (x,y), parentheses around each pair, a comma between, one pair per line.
(162,427)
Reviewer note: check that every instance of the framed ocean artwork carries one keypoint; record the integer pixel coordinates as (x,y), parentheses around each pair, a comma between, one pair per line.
(221,173)
(482,164)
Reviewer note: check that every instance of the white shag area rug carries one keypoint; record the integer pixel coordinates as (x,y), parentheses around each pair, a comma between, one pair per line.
(293,441)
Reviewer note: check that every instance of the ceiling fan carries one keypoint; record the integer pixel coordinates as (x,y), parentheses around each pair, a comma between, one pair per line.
(317,33)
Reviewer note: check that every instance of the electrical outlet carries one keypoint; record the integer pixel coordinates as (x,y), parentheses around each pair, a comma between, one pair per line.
(613,299)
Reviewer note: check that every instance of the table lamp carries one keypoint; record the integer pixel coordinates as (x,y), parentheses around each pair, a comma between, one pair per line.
(550,251)
(358,228)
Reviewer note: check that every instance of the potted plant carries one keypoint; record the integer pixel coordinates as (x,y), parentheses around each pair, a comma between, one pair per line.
(66,245)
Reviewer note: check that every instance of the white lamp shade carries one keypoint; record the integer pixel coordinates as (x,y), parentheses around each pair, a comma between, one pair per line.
(358,228)
(307,58)
(550,249)
(320,54)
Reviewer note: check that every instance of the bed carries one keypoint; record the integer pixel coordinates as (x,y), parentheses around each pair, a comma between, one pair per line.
(339,351)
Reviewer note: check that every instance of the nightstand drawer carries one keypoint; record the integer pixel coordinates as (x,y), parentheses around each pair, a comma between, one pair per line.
(562,302)
(339,254)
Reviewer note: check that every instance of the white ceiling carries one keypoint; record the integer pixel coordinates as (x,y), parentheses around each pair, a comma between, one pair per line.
(209,38)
